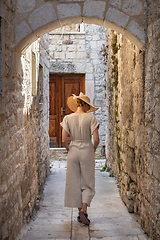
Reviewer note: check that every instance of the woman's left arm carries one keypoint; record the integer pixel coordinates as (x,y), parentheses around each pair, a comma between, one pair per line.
(96,139)
(64,139)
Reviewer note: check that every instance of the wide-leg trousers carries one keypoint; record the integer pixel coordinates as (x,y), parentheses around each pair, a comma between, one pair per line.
(80,176)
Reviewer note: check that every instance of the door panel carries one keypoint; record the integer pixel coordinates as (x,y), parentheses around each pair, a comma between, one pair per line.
(52,112)
(61,87)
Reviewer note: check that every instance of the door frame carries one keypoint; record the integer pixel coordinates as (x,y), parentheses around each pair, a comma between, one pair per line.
(60,100)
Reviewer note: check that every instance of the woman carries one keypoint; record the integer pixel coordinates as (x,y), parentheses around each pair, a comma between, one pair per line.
(80,176)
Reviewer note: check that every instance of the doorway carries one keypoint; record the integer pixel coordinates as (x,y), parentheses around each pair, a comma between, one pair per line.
(61,86)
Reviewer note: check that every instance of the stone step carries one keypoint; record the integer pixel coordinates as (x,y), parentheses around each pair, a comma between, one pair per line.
(60,165)
(60,154)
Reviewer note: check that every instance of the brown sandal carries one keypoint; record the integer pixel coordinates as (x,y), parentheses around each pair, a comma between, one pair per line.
(86,215)
(83,218)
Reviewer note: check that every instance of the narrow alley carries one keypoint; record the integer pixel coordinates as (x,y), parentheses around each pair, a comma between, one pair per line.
(109,217)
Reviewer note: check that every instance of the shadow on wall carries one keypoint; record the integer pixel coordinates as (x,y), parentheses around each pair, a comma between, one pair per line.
(24,142)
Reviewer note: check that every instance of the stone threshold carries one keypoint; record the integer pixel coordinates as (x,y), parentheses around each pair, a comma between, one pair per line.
(60,154)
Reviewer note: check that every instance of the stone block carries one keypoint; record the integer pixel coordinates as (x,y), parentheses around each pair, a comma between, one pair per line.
(5,230)
(80,66)
(131,139)
(20,118)
(116,3)
(89,76)
(42,16)
(156,142)
(132,7)
(80,41)
(22,31)
(156,167)
(156,68)
(71,48)
(101,95)
(157,91)
(157,118)
(93,45)
(96,37)
(25,5)
(94,55)
(34,185)
(59,55)
(100,103)
(137,30)
(95,61)
(80,55)
(18,139)
(80,48)
(89,37)
(117,17)
(64,47)
(153,52)
(57,48)
(70,55)
(89,68)
(68,10)
(156,32)
(12,181)
(94,9)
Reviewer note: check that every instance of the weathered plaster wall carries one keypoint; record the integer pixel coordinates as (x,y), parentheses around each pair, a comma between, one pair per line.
(83,51)
(24,153)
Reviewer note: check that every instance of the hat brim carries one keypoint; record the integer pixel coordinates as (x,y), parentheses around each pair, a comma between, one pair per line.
(73,105)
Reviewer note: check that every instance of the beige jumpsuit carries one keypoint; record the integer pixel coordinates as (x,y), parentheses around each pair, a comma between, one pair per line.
(80,176)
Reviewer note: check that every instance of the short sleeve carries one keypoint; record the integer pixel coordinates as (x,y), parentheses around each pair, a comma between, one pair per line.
(94,124)
(64,124)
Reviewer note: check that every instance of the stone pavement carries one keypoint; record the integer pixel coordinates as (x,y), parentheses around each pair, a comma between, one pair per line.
(109,217)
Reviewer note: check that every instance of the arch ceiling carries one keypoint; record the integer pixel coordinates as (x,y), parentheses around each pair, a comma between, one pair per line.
(37,17)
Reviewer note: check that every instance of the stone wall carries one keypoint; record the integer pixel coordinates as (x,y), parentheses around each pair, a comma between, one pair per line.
(81,49)
(132,143)
(151,187)
(24,151)
(0,61)
(133,155)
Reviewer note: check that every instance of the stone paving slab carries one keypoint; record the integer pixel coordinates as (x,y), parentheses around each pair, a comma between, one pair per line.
(109,217)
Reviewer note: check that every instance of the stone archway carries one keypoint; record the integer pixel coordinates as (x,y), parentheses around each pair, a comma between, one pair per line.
(34,18)
(27,21)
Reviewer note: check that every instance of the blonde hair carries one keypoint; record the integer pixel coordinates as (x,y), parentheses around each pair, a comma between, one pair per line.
(80,103)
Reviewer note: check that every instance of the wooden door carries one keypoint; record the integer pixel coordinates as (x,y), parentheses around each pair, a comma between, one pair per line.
(61,87)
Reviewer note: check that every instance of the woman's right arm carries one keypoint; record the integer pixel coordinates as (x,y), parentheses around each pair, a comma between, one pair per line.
(96,138)
(64,139)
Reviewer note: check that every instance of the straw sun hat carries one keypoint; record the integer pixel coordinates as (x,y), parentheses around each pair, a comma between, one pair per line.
(72,104)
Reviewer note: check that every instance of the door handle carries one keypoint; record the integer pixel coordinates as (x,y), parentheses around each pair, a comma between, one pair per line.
(62,110)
